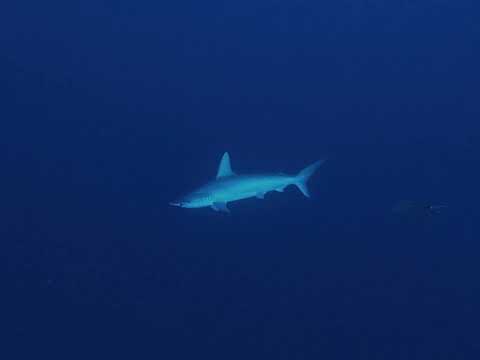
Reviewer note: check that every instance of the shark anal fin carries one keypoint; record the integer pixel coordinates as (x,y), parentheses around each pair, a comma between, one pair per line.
(220,206)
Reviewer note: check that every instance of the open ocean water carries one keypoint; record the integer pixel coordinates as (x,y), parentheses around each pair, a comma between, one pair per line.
(111,109)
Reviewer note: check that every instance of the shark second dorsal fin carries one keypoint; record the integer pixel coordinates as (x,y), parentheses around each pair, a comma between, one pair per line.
(225,168)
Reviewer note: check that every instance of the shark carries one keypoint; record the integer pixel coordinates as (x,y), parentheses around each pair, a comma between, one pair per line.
(228,186)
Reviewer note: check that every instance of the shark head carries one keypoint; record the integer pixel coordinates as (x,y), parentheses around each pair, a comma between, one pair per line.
(203,197)
(193,200)
(178,203)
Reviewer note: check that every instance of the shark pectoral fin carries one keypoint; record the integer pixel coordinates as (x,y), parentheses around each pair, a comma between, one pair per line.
(222,207)
(260,195)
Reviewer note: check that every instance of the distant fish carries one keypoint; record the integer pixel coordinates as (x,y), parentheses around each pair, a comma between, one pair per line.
(417,210)
(229,187)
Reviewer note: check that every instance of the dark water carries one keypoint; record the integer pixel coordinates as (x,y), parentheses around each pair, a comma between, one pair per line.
(110,110)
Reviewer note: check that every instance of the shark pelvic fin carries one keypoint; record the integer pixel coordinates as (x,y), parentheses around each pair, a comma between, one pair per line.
(260,195)
(222,207)
(225,168)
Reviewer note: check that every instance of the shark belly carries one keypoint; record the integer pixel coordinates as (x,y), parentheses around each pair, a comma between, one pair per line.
(244,187)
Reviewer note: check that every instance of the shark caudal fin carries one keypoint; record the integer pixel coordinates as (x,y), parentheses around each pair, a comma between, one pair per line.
(302,178)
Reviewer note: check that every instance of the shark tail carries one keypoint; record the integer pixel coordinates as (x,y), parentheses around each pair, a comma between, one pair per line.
(302,178)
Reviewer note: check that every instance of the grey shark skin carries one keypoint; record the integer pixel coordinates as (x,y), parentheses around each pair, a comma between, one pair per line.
(228,186)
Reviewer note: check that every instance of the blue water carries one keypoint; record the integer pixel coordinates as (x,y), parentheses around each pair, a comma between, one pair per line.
(110,110)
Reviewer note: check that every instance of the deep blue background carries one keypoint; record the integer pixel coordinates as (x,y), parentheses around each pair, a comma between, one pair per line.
(110,109)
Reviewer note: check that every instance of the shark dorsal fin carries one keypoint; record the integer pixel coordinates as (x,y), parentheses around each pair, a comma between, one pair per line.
(225,169)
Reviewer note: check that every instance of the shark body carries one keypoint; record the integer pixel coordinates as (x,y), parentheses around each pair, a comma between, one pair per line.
(229,187)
